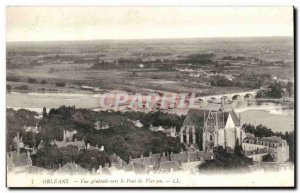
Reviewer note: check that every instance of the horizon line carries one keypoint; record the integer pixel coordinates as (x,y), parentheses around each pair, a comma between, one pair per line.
(159,38)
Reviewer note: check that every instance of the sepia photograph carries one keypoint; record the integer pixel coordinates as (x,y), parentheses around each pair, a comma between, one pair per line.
(150,96)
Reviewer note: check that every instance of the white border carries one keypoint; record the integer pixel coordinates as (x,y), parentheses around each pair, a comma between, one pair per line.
(5,3)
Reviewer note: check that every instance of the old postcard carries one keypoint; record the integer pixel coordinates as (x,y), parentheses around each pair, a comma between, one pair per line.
(150,97)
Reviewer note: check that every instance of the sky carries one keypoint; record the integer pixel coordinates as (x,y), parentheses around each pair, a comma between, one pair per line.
(91,23)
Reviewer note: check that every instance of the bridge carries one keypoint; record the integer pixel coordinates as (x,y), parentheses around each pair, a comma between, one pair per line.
(230,97)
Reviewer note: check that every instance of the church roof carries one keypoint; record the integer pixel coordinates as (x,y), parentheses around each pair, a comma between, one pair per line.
(195,117)
(234,117)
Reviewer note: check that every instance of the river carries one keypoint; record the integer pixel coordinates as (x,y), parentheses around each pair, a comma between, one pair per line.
(277,116)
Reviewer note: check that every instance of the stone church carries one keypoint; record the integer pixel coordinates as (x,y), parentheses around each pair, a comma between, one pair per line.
(212,128)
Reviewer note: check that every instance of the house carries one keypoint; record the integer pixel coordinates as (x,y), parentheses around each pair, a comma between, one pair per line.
(29,169)
(34,129)
(275,146)
(67,137)
(72,169)
(169,166)
(256,154)
(138,124)
(89,147)
(16,158)
(100,126)
(103,170)
(18,141)
(155,129)
(79,144)
(171,132)
(190,156)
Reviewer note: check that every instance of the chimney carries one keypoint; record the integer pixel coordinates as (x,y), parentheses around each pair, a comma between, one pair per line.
(163,154)
(130,158)
(88,146)
(150,153)
(75,139)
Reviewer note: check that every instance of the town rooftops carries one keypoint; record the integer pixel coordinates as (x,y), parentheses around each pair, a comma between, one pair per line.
(169,165)
(256,140)
(19,160)
(272,139)
(185,156)
(27,169)
(72,168)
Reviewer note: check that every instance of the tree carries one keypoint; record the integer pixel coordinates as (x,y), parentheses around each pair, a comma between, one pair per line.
(238,150)
(8,88)
(268,158)
(43,82)
(60,84)
(32,80)
(44,112)
(225,161)
(276,90)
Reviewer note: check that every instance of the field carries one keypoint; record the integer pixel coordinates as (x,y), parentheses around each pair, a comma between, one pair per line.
(73,63)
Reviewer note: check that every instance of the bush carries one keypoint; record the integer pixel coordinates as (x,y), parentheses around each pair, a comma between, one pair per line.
(43,82)
(8,87)
(60,84)
(32,80)
(221,81)
(12,79)
(23,87)
(41,89)
(268,158)
(274,92)
(225,161)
